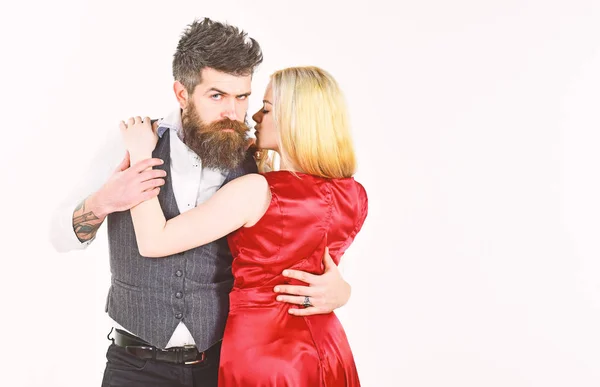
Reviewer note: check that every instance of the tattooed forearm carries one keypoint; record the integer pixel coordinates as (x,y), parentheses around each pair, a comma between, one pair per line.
(85,223)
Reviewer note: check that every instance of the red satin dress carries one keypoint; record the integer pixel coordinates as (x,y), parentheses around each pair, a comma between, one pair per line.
(263,344)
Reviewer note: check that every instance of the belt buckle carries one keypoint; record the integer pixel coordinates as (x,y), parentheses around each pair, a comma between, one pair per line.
(203,357)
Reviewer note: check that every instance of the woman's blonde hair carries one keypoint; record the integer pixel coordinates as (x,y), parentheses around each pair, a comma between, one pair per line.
(314,129)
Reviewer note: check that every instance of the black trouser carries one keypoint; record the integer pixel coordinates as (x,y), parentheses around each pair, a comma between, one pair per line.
(126,370)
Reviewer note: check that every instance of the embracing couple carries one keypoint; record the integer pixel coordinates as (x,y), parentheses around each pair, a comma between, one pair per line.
(224,268)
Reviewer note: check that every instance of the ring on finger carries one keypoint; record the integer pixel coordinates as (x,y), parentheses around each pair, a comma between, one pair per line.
(307,302)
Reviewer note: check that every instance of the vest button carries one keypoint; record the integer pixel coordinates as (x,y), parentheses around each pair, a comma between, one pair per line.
(178,294)
(178,273)
(178,316)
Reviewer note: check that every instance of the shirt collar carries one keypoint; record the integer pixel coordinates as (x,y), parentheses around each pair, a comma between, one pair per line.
(171,121)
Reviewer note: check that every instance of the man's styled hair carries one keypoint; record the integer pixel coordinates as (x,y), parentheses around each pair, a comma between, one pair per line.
(220,46)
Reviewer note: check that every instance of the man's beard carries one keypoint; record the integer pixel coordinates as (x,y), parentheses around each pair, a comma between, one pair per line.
(217,149)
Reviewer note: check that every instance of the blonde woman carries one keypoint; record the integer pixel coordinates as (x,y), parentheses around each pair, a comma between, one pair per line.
(274,220)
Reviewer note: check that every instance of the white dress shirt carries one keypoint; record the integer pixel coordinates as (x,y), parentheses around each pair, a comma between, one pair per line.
(192,185)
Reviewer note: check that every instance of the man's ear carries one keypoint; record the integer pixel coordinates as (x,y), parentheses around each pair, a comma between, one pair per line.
(181,94)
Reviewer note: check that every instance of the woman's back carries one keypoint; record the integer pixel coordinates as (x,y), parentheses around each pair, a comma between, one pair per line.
(306,214)
(263,344)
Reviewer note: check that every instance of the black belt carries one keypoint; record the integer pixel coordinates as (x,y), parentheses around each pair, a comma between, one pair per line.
(137,347)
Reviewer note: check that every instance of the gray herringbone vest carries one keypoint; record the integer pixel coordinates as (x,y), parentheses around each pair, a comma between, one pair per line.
(150,296)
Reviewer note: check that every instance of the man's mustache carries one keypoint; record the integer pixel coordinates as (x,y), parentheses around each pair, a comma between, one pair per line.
(227,123)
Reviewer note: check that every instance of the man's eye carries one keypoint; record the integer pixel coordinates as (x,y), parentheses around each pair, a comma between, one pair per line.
(216,97)
(264,111)
(242,97)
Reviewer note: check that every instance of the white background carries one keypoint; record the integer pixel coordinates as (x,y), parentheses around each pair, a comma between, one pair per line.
(477,130)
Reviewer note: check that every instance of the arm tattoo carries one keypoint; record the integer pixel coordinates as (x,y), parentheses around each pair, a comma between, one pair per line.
(85,224)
